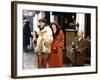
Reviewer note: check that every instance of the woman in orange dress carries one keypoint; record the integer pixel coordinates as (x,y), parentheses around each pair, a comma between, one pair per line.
(55,57)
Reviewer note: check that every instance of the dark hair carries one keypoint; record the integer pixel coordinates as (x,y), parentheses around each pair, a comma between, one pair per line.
(57,27)
(27,23)
(42,20)
(24,18)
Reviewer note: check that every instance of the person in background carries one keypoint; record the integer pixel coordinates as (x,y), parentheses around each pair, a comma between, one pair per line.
(80,48)
(72,23)
(26,36)
(55,57)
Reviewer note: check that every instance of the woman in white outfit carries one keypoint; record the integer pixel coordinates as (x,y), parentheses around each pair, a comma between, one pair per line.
(43,45)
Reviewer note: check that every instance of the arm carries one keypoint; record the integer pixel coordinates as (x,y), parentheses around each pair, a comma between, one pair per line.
(59,43)
(81,46)
(48,37)
(61,40)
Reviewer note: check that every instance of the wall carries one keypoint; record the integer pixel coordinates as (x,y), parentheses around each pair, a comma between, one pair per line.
(5,40)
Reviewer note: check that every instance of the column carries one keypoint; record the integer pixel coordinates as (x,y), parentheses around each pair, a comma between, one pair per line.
(35,23)
(51,17)
(80,18)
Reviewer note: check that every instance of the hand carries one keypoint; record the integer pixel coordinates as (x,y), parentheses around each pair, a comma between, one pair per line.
(32,33)
(76,47)
(55,50)
(78,50)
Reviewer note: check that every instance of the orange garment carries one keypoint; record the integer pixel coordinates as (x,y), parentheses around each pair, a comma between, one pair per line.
(42,63)
(55,57)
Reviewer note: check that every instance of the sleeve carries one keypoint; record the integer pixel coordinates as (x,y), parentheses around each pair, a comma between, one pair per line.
(61,43)
(49,31)
(50,36)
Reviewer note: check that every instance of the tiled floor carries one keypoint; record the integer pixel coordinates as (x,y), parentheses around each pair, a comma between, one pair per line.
(29,60)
